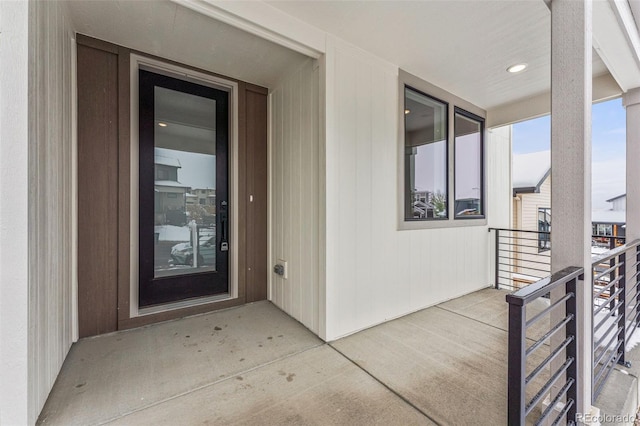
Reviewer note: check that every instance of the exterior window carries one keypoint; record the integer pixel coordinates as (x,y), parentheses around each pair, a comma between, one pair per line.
(604,230)
(468,149)
(544,227)
(425,157)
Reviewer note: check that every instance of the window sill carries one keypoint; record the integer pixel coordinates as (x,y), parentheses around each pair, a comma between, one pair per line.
(441,224)
(470,217)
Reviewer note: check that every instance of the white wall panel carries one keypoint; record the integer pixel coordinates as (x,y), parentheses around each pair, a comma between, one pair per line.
(36,204)
(295,198)
(375,272)
(14,187)
(50,197)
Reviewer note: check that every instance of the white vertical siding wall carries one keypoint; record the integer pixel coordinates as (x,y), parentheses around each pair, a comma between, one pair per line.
(527,219)
(374,272)
(295,208)
(531,203)
(50,197)
(14,186)
(620,204)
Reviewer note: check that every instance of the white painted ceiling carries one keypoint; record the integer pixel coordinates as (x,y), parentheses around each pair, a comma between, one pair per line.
(173,32)
(463,46)
(189,121)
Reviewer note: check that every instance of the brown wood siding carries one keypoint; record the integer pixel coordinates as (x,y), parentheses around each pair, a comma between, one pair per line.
(104,149)
(124,186)
(97,190)
(256,139)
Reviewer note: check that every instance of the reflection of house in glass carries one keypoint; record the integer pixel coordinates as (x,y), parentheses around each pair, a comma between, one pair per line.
(422,207)
(169,192)
(467,206)
(427,205)
(202,196)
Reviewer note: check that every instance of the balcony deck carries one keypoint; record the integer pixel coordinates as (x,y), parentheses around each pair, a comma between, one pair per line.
(255,365)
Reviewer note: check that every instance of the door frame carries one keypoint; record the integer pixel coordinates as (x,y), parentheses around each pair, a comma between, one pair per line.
(249,268)
(137,62)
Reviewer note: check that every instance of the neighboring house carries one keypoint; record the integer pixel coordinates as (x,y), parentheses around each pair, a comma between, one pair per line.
(306,107)
(532,201)
(531,174)
(610,223)
(423,204)
(618,203)
(201,196)
(204,196)
(531,180)
(170,194)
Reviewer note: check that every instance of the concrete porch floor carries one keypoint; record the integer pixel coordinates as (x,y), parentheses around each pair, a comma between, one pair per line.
(255,365)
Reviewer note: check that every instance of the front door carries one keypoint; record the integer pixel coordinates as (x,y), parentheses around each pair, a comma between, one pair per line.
(184,210)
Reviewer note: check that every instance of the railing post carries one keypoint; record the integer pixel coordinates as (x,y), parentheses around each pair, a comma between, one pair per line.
(572,349)
(497,262)
(622,302)
(635,285)
(517,364)
(612,274)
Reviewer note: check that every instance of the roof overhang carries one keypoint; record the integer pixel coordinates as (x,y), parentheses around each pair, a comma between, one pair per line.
(486,37)
(615,39)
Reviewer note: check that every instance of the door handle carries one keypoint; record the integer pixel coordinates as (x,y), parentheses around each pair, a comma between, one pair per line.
(224,240)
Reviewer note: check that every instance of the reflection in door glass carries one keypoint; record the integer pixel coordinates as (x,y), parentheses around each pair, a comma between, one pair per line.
(185,183)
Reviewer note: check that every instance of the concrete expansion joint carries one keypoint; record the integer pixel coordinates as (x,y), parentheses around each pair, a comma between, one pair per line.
(215,382)
(386,386)
(624,370)
(469,318)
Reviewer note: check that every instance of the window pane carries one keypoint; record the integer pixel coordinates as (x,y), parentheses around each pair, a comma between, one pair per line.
(185,182)
(468,166)
(425,157)
(544,226)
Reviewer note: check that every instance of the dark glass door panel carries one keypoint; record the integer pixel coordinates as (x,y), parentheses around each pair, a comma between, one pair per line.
(183,227)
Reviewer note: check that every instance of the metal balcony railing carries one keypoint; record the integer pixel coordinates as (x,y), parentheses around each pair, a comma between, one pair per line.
(615,309)
(523,257)
(543,351)
(520,258)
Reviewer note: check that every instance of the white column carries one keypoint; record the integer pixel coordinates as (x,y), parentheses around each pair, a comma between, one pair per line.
(14,191)
(571,75)
(631,101)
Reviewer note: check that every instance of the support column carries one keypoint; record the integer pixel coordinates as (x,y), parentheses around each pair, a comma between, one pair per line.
(631,102)
(571,81)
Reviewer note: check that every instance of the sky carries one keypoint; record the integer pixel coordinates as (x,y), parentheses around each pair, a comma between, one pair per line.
(607,146)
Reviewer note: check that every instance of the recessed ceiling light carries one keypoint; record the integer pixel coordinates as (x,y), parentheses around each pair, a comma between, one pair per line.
(407,111)
(517,68)
(162,124)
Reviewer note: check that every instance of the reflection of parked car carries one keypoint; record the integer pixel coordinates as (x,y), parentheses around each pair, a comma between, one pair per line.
(182,253)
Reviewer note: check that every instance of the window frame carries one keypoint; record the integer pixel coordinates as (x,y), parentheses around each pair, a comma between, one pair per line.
(540,233)
(446,156)
(405,79)
(481,121)
(141,61)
